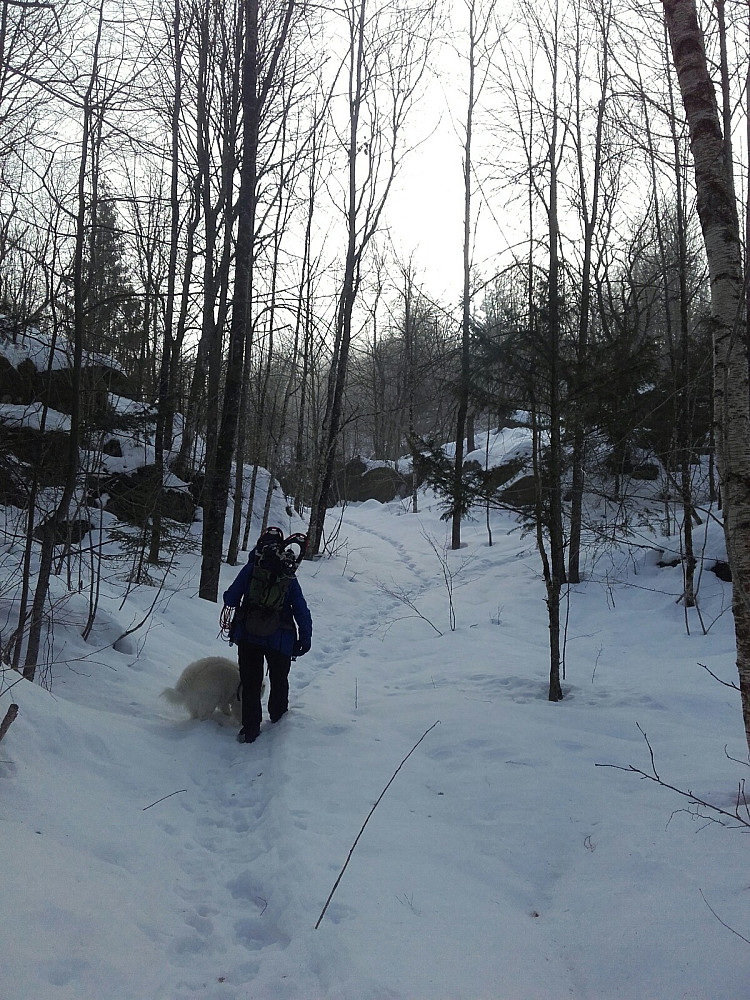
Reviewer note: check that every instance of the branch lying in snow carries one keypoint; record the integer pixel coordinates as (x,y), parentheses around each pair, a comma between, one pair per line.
(741,812)
(362,828)
(722,922)
(164,797)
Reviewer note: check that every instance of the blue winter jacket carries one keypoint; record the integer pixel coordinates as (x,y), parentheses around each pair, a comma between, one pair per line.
(295,611)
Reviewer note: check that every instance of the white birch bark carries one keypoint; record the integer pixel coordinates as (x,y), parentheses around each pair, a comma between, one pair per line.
(717,209)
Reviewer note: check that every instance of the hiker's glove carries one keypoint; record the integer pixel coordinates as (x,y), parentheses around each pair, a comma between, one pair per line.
(301,647)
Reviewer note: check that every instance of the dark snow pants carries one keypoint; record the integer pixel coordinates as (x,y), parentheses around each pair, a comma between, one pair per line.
(251,659)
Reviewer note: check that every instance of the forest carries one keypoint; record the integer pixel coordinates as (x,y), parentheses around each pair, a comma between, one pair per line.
(203,212)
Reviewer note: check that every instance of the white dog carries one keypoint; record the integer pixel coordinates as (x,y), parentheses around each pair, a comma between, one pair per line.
(206,685)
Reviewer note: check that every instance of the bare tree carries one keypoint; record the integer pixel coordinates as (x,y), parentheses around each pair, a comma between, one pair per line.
(258,79)
(52,528)
(218,43)
(717,209)
(482,39)
(589,179)
(165,409)
(387,50)
(537,91)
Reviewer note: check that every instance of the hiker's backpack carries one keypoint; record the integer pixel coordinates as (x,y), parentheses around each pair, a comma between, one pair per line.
(274,568)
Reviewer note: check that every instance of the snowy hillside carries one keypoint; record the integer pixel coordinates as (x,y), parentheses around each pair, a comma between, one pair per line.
(149,857)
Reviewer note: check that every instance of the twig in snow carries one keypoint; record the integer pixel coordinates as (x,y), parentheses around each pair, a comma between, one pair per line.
(400,594)
(723,924)
(596,663)
(165,797)
(362,828)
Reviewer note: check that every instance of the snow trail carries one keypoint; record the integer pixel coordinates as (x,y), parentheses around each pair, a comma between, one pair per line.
(500,865)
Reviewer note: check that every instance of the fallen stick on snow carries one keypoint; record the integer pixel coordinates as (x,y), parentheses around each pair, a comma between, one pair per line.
(377,803)
(179,790)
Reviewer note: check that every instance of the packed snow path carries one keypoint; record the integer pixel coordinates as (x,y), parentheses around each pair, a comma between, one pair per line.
(149,856)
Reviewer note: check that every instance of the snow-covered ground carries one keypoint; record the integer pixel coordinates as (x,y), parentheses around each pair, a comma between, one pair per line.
(36,346)
(149,857)
(30,416)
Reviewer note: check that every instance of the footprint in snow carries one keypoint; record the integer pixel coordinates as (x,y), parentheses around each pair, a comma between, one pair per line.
(255,933)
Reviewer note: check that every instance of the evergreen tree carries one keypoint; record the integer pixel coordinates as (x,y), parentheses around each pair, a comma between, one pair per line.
(112,308)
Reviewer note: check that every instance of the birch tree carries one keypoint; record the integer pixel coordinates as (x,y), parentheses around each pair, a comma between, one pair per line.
(717,210)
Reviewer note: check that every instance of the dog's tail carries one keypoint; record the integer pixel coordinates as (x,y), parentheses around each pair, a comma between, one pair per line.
(173,695)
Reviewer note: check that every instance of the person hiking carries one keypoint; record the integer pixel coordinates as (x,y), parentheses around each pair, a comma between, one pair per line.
(272,623)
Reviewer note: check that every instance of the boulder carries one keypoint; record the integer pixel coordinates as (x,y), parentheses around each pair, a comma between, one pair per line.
(647,471)
(112,447)
(14,490)
(131,497)
(382,484)
(72,530)
(346,479)
(12,388)
(358,483)
(722,569)
(45,455)
(522,493)
(499,475)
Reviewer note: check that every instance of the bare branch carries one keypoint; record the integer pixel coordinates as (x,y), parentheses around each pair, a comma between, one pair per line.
(741,805)
(723,924)
(362,829)
(728,684)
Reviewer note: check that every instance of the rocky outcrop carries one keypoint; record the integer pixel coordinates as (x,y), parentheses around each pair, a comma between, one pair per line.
(26,376)
(356,482)
(42,454)
(520,494)
(13,487)
(131,497)
(73,530)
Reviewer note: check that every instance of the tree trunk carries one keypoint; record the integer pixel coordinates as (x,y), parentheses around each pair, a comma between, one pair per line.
(555,484)
(10,718)
(215,128)
(409,333)
(681,365)
(551,584)
(590,215)
(51,532)
(463,379)
(304,314)
(253,98)
(165,405)
(717,210)
(347,296)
